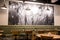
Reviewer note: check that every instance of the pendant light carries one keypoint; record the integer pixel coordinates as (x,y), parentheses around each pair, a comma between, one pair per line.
(4,6)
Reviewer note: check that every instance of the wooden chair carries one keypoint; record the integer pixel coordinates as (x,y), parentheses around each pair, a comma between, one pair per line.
(38,38)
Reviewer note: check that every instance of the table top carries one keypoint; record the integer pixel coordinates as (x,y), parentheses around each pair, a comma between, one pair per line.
(56,36)
(49,35)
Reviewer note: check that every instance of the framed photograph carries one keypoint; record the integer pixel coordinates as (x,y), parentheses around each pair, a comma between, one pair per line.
(30,13)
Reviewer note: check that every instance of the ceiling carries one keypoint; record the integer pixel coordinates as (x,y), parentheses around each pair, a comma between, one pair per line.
(45,1)
(41,1)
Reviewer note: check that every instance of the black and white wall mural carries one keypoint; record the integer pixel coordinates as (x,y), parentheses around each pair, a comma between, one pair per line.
(29,13)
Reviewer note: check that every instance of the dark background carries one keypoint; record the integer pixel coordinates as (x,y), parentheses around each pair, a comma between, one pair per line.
(46,1)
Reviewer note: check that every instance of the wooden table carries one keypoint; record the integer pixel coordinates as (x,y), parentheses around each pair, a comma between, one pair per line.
(55,37)
(39,35)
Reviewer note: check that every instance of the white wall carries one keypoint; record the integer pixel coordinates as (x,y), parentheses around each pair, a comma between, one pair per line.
(57,15)
(3,17)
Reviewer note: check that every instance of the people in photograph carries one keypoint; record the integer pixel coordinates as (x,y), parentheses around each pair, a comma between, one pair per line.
(30,14)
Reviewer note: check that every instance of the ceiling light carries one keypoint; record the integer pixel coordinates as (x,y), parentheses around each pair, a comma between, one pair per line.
(53,1)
